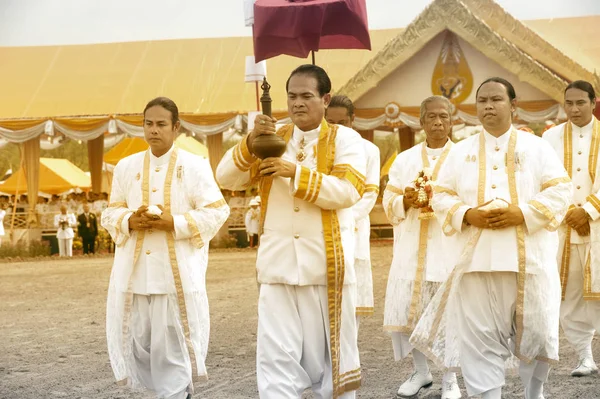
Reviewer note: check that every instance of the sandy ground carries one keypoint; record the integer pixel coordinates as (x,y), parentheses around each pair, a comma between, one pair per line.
(53,345)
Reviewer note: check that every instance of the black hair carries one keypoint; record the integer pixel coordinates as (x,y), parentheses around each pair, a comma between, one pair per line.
(323,81)
(342,102)
(167,104)
(510,90)
(584,86)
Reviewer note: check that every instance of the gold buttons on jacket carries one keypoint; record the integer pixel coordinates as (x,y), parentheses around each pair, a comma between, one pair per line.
(495,167)
(497,148)
(578,204)
(296,236)
(157,170)
(148,252)
(579,169)
(493,186)
(296,209)
(579,152)
(581,136)
(154,190)
(578,187)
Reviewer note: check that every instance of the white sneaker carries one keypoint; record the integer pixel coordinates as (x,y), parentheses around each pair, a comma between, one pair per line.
(414,384)
(450,390)
(585,367)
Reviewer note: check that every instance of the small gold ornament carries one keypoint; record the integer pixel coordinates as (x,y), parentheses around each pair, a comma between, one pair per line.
(301,156)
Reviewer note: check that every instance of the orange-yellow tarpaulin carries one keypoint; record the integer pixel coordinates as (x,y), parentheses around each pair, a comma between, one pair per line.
(56,176)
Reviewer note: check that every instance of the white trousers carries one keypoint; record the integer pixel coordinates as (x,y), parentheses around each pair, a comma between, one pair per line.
(159,355)
(65,246)
(292,351)
(579,318)
(364,286)
(402,346)
(486,325)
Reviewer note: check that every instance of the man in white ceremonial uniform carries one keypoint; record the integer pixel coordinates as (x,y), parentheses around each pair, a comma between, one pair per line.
(505,192)
(64,223)
(252,222)
(422,255)
(577,143)
(305,263)
(341,112)
(165,207)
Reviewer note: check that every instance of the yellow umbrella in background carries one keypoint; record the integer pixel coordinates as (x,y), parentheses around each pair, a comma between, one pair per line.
(388,164)
(131,145)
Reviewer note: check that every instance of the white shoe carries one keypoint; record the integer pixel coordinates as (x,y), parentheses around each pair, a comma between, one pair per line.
(450,390)
(414,384)
(585,367)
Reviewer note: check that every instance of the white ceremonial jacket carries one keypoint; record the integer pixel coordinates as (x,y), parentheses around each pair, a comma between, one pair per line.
(67,232)
(578,152)
(407,226)
(365,205)
(292,244)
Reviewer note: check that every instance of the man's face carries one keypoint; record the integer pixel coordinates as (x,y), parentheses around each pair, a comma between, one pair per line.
(305,106)
(437,122)
(63,210)
(578,107)
(339,116)
(159,130)
(86,208)
(494,108)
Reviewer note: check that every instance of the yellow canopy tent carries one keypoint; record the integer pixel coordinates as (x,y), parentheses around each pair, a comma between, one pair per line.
(56,177)
(132,145)
(388,164)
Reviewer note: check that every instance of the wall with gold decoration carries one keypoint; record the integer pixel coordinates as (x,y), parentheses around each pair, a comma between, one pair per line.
(412,82)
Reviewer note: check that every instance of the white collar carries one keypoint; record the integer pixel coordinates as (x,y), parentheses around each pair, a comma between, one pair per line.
(497,141)
(308,135)
(163,159)
(584,129)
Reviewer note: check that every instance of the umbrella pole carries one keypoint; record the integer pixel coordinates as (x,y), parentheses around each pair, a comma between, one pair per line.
(313,57)
(257,96)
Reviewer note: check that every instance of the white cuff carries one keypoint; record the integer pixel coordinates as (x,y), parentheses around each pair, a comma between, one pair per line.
(294,180)
(591,210)
(459,217)
(534,219)
(181,228)
(125,224)
(398,207)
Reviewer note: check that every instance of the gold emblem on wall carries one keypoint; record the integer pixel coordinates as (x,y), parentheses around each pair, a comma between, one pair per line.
(452,77)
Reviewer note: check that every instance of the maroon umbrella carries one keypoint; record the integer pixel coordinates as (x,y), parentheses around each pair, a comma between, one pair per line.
(298,27)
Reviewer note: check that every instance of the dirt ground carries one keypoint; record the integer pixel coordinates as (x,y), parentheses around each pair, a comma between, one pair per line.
(53,345)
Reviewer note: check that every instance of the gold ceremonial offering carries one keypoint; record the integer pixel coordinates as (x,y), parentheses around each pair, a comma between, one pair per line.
(267,145)
(424,194)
